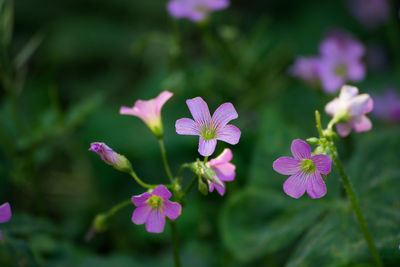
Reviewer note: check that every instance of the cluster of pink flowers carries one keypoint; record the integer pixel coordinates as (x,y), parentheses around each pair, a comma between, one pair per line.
(306,169)
(339,62)
(154,205)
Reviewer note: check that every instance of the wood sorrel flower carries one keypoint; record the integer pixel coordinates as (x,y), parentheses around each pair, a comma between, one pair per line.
(224,170)
(340,61)
(349,110)
(110,157)
(5,214)
(370,13)
(195,10)
(305,171)
(149,111)
(210,129)
(151,208)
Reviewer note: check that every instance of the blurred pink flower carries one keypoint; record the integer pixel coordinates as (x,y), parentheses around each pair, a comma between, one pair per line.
(307,69)
(341,61)
(151,209)
(350,109)
(370,13)
(305,171)
(195,10)
(224,170)
(149,111)
(387,106)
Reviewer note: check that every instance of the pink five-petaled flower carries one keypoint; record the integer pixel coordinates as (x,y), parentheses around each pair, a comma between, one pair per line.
(151,208)
(224,170)
(210,129)
(110,157)
(149,111)
(5,214)
(195,10)
(340,61)
(349,110)
(305,171)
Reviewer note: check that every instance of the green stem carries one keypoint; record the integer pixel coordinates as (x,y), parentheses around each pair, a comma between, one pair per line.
(356,207)
(175,244)
(190,185)
(165,161)
(318,122)
(140,182)
(118,207)
(183,166)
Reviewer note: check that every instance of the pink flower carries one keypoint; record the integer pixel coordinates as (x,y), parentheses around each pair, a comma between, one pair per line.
(370,13)
(349,110)
(224,170)
(110,157)
(195,10)
(151,208)
(5,214)
(340,61)
(149,111)
(305,171)
(210,129)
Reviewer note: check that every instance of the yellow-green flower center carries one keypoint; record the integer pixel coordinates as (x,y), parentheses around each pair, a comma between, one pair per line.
(307,165)
(341,70)
(208,133)
(155,202)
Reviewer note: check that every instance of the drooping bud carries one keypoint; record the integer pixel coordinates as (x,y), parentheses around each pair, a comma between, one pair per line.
(203,188)
(110,157)
(200,168)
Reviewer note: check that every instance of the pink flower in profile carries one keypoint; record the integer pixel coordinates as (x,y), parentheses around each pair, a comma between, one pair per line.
(210,129)
(151,209)
(110,157)
(224,170)
(5,214)
(387,106)
(195,10)
(350,109)
(149,111)
(307,69)
(340,61)
(305,171)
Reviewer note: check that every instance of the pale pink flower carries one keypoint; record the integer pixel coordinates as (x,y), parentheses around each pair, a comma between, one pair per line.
(224,170)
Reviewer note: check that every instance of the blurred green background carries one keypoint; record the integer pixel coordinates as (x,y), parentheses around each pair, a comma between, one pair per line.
(68,66)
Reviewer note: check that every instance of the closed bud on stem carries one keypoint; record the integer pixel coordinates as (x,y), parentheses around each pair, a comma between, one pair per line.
(200,168)
(313,140)
(100,223)
(110,157)
(203,188)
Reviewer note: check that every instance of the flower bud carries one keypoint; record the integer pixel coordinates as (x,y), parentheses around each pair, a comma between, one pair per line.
(201,169)
(110,157)
(100,223)
(203,188)
(313,141)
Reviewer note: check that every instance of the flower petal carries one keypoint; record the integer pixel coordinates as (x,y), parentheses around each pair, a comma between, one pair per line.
(206,147)
(172,209)
(362,124)
(224,157)
(286,165)
(300,149)
(5,212)
(356,70)
(155,222)
(225,172)
(224,114)
(160,100)
(296,185)
(162,192)
(186,126)
(343,128)
(360,105)
(140,215)
(332,107)
(230,134)
(347,92)
(199,109)
(140,200)
(323,163)
(220,189)
(316,187)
